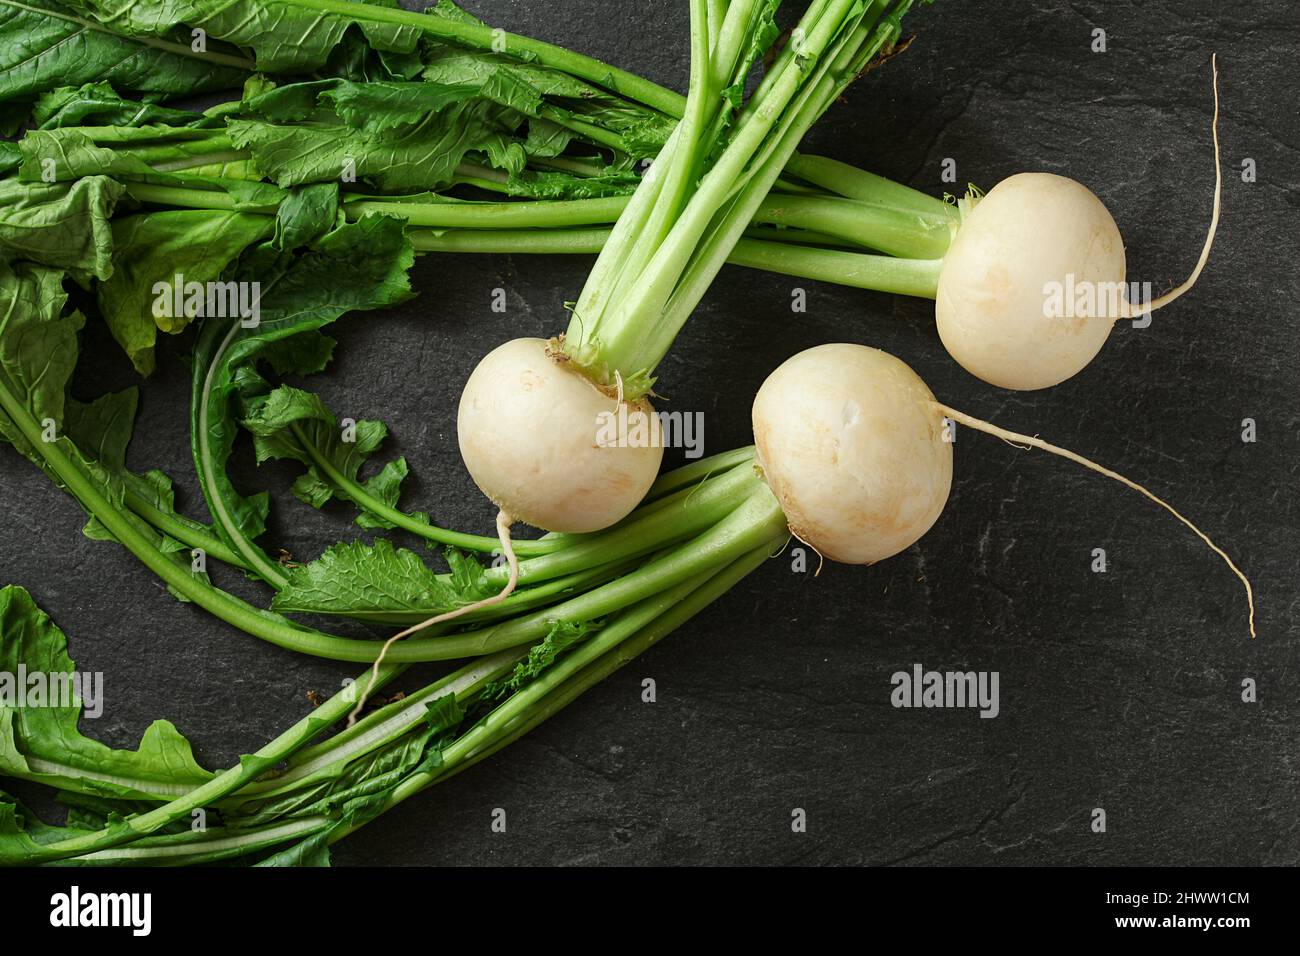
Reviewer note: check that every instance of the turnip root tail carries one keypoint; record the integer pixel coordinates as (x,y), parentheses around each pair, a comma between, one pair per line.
(504,521)
(1016,438)
(1129,310)
(821,558)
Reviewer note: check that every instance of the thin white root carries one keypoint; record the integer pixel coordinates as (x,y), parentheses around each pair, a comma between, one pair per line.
(1127,309)
(504,521)
(1010,436)
(821,560)
(781,550)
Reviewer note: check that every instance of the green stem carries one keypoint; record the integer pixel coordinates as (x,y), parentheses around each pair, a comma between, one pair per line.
(759,514)
(858,184)
(255,556)
(726,229)
(734,35)
(588,131)
(756,521)
(222,784)
(212,846)
(187,533)
(635,631)
(525,599)
(630,337)
(914,277)
(642,533)
(680,169)
(787,234)
(185,197)
(698,471)
(386,724)
(253,621)
(544,213)
(379,727)
(570,164)
(368,502)
(891,230)
(200,160)
(527,226)
(557,241)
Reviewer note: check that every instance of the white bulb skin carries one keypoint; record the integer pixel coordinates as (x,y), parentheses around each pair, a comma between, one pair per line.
(528,432)
(851,442)
(1030,230)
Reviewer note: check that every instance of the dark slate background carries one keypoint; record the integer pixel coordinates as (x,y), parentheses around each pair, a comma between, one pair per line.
(1119,690)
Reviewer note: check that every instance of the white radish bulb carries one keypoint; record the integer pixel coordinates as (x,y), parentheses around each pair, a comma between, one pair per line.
(851,442)
(1031,231)
(530,433)
(1035,237)
(856,449)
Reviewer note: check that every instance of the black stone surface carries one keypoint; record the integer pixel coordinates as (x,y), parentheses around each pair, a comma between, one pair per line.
(1119,690)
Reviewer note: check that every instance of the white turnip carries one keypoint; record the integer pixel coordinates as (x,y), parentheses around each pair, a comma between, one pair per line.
(847,439)
(528,427)
(858,453)
(1031,284)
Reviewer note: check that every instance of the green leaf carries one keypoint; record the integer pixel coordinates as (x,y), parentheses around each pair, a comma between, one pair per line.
(101,430)
(643,131)
(359,265)
(378,108)
(448,10)
(558,185)
(152,249)
(355,59)
(98,104)
(443,713)
(305,215)
(313,851)
(38,347)
(386,485)
(562,636)
(448,64)
(44,46)
(270,419)
(38,352)
(305,353)
(62,155)
(43,743)
(291,423)
(546,138)
(414,135)
(397,136)
(62,225)
(147,153)
(357,578)
(284,37)
(22,833)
